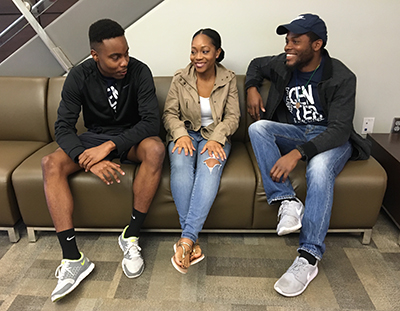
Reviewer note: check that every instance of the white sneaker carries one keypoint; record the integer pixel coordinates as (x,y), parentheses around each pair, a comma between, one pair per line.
(290,215)
(133,263)
(69,274)
(296,278)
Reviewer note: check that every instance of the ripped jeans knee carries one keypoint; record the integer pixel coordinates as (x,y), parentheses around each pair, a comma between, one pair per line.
(212,162)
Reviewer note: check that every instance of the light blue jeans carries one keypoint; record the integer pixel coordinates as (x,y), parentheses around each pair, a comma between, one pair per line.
(270,140)
(194,185)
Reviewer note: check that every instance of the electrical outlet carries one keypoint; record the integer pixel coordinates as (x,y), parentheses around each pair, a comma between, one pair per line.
(395,126)
(368,125)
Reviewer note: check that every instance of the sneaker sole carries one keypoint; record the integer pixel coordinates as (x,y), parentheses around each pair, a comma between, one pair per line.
(299,292)
(132,276)
(81,277)
(284,231)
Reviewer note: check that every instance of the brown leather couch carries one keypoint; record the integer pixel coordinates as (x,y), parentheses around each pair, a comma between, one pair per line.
(23,130)
(240,206)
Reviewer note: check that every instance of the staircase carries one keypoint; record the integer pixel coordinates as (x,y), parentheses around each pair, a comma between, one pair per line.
(62,34)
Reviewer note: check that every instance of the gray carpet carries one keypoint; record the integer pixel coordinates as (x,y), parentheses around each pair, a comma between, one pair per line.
(238,274)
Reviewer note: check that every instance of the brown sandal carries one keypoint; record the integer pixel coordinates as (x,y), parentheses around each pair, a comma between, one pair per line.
(185,261)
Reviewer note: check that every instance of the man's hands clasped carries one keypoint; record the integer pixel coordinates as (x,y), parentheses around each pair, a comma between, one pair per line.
(91,156)
(92,160)
(107,171)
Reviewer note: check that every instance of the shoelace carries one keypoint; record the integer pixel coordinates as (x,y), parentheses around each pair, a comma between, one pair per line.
(133,250)
(62,269)
(297,266)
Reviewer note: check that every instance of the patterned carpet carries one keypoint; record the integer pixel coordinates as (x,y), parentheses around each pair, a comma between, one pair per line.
(238,274)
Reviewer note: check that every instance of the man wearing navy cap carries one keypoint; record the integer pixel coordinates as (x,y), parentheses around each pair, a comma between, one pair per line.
(308,116)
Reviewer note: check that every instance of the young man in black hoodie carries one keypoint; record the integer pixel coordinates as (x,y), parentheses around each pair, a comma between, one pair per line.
(117,96)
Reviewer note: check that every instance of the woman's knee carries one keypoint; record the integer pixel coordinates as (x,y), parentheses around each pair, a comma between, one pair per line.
(212,163)
(181,162)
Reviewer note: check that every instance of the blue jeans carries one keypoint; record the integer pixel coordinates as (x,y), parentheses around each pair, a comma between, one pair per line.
(270,140)
(194,185)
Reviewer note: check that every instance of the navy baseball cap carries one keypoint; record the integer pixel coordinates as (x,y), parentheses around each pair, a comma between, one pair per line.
(305,23)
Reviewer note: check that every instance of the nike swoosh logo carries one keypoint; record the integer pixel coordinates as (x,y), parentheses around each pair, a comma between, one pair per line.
(83,262)
(70,238)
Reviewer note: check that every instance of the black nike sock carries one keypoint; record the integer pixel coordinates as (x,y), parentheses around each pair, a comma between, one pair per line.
(310,258)
(68,244)
(137,220)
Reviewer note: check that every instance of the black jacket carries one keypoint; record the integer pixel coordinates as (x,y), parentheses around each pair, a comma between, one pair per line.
(137,115)
(336,91)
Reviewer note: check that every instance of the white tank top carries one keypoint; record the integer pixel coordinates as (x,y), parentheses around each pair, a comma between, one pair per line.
(206,114)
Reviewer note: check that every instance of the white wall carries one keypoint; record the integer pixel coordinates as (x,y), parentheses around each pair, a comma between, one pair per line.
(363,34)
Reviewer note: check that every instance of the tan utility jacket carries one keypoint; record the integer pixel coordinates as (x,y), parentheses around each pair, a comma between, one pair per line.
(182,106)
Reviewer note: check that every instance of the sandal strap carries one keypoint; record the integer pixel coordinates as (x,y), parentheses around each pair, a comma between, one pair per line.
(181,244)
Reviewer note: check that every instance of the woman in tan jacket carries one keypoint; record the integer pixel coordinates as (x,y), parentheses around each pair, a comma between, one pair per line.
(200,114)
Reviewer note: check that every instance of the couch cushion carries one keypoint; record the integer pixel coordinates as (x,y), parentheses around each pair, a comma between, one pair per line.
(358,194)
(241,133)
(162,85)
(23,109)
(12,153)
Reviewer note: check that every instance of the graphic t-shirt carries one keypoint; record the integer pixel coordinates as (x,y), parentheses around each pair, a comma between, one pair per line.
(301,97)
(112,92)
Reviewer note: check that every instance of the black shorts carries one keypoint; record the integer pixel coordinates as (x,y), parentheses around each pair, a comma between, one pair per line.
(90,140)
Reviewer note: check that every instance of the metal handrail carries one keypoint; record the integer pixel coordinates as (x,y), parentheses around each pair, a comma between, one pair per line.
(34,12)
(55,50)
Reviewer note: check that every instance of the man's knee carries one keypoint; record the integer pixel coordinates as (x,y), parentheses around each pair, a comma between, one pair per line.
(318,169)
(48,163)
(257,127)
(252,128)
(154,151)
(57,163)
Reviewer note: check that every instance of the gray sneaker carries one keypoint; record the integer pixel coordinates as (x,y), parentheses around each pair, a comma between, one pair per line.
(69,274)
(296,278)
(133,263)
(290,215)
